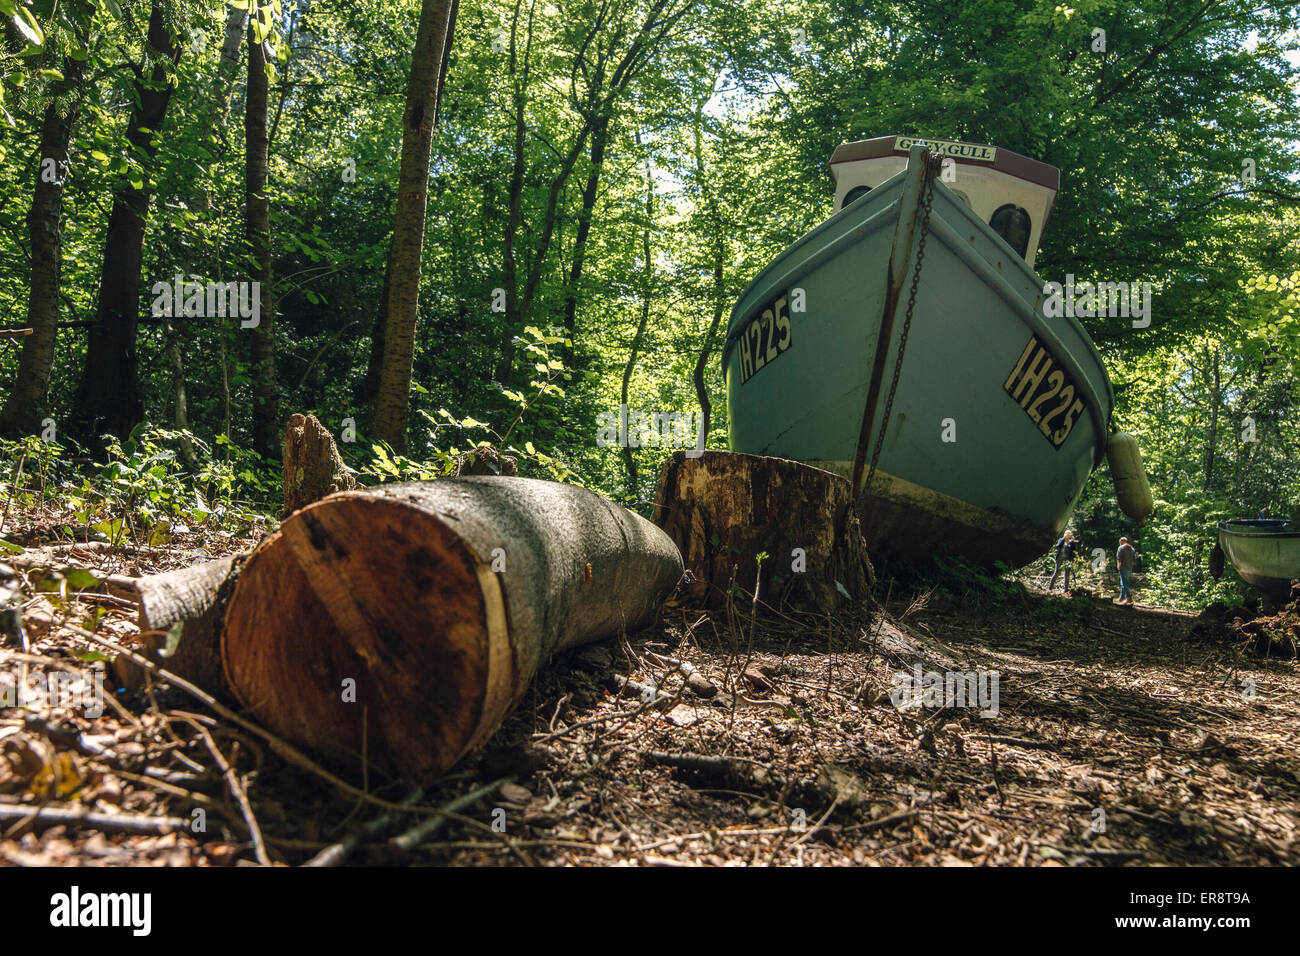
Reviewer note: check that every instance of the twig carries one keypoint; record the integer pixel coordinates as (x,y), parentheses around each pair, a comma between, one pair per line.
(337,853)
(236,791)
(286,750)
(114,822)
(427,828)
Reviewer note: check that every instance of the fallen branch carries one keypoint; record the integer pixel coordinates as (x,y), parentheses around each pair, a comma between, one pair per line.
(109,822)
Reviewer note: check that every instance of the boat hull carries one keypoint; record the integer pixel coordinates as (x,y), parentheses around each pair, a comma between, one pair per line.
(964,468)
(1264,552)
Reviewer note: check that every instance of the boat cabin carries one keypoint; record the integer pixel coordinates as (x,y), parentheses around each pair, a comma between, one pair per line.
(1012,193)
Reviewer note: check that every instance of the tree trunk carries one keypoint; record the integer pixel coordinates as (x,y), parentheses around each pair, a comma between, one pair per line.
(629,459)
(514,199)
(422,92)
(1212,432)
(719,249)
(420,611)
(25,406)
(266,412)
(109,397)
(724,509)
(599,136)
(180,409)
(370,385)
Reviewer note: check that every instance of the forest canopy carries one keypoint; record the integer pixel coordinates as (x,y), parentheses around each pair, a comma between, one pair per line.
(440,224)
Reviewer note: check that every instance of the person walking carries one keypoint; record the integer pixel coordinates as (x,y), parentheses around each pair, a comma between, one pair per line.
(1063,559)
(1126,561)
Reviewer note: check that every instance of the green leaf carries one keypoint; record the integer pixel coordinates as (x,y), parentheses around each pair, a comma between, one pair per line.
(10,547)
(28,27)
(80,579)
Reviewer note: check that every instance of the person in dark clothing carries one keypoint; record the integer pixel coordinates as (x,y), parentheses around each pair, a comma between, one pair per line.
(1126,561)
(1066,548)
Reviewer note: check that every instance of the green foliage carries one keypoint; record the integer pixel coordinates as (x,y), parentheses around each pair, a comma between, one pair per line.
(734,110)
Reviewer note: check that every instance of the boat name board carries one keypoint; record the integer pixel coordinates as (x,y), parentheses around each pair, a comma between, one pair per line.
(1035,383)
(765,337)
(947,147)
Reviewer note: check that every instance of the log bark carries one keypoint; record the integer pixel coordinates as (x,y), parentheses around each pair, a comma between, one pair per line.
(420,611)
(195,598)
(724,509)
(313,467)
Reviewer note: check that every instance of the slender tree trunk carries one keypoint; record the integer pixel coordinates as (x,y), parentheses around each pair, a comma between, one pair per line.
(370,385)
(1212,433)
(719,252)
(629,459)
(25,405)
(599,137)
(514,202)
(266,415)
(422,92)
(180,406)
(224,450)
(109,397)
(217,112)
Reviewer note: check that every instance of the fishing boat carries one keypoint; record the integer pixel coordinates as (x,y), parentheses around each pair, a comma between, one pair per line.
(1265,552)
(967,419)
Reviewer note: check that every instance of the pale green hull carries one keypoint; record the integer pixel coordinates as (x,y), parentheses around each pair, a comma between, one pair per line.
(1265,552)
(1001,491)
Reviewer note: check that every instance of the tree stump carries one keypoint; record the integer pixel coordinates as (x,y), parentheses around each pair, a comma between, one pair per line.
(724,509)
(313,467)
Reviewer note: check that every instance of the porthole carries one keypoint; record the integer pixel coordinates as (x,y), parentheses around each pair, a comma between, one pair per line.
(854,194)
(1011,222)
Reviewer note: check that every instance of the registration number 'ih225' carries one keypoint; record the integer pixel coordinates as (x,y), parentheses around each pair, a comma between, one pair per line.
(765,337)
(1045,391)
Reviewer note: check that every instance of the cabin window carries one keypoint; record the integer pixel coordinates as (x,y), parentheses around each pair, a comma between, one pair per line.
(1011,222)
(854,194)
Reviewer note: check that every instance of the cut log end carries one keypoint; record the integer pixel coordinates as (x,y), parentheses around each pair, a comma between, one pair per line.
(423,662)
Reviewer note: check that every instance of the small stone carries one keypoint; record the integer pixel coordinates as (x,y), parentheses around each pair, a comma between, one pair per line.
(513,793)
(700,685)
(682,715)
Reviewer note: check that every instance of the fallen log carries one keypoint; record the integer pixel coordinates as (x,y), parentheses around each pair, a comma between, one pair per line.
(421,611)
(724,509)
(180,618)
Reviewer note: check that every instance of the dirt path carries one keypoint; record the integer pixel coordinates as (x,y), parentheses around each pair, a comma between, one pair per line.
(1115,741)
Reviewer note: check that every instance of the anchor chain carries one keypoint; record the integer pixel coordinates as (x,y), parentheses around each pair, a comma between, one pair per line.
(932,167)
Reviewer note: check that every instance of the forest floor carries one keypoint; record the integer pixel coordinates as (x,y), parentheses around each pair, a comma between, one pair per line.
(1116,741)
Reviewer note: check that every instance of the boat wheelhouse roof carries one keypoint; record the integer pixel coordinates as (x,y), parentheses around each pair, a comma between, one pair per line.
(1003,160)
(1012,194)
